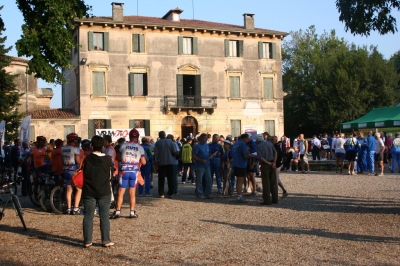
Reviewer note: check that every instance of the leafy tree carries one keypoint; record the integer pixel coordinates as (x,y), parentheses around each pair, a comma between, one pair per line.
(47,37)
(363,16)
(395,61)
(9,95)
(328,81)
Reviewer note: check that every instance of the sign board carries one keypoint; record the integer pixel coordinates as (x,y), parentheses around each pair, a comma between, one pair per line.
(379,124)
(362,125)
(251,130)
(117,133)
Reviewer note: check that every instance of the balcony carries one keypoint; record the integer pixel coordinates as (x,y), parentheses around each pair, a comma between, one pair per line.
(190,103)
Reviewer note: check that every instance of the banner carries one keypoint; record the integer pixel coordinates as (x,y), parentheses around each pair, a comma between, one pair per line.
(250,130)
(25,130)
(2,132)
(117,133)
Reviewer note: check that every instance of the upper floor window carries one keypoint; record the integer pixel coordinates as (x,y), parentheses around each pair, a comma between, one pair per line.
(233,48)
(138,43)
(137,84)
(98,41)
(268,88)
(267,50)
(234,86)
(99,83)
(187,45)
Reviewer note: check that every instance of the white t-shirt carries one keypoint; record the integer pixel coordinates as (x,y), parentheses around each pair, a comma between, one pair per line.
(333,143)
(339,145)
(379,146)
(131,153)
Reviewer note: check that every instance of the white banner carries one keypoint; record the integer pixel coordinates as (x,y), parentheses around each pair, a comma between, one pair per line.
(117,133)
(25,129)
(2,132)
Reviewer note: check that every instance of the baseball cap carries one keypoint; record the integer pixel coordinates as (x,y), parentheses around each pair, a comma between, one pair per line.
(227,142)
(259,137)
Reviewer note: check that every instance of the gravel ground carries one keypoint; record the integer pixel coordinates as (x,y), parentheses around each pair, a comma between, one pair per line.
(327,219)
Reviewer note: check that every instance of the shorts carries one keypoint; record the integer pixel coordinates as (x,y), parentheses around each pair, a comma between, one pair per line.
(251,169)
(302,159)
(128,178)
(340,155)
(351,156)
(241,172)
(377,157)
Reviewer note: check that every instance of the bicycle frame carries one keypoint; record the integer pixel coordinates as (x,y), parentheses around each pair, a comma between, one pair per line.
(15,201)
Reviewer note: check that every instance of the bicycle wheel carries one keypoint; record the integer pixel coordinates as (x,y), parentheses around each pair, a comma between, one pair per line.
(57,200)
(18,208)
(34,193)
(44,198)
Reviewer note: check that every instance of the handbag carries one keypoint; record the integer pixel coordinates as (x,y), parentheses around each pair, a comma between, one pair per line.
(77,178)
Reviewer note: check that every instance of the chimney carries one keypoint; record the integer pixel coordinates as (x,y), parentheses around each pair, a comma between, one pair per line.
(248,21)
(117,11)
(173,15)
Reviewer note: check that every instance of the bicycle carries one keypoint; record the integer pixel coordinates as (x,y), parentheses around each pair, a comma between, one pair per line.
(7,188)
(44,195)
(58,200)
(35,188)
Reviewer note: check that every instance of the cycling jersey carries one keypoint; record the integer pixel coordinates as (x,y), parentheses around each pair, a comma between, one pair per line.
(131,153)
(38,156)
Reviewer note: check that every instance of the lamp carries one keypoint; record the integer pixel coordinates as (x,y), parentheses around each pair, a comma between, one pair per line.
(83,61)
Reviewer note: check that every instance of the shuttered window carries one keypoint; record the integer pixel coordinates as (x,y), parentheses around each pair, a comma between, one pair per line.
(137,84)
(234,48)
(187,45)
(138,43)
(267,50)
(235,128)
(69,129)
(234,86)
(137,123)
(268,88)
(99,83)
(98,41)
(270,127)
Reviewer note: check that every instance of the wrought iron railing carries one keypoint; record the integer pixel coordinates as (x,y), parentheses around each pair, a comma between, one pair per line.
(197,101)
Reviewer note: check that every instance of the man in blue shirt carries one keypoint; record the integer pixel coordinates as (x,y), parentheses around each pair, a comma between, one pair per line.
(215,162)
(362,154)
(201,157)
(240,156)
(371,153)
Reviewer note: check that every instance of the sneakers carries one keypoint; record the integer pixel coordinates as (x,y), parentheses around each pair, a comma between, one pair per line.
(290,170)
(133,214)
(381,174)
(241,200)
(354,173)
(115,215)
(349,173)
(285,194)
(219,191)
(76,212)
(259,189)
(254,193)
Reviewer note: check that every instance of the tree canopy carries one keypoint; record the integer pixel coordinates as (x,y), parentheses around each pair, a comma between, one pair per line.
(46,35)
(363,16)
(328,81)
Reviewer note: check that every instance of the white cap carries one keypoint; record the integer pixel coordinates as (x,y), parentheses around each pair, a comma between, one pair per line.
(259,137)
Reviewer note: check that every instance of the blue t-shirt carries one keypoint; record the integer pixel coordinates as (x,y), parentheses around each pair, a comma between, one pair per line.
(202,152)
(216,147)
(239,150)
(371,143)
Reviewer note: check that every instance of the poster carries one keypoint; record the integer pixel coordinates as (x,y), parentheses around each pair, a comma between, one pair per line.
(117,133)
(25,129)
(251,130)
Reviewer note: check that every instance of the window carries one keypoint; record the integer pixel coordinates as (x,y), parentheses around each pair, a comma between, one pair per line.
(75,49)
(94,124)
(187,45)
(98,41)
(235,128)
(267,50)
(268,88)
(69,129)
(270,127)
(137,84)
(234,86)
(32,133)
(141,124)
(188,90)
(138,43)
(99,83)
(233,48)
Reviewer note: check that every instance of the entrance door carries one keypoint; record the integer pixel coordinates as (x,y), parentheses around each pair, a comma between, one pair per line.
(189,125)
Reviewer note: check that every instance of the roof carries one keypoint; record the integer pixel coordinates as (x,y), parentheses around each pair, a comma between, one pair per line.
(188,23)
(377,117)
(18,59)
(54,114)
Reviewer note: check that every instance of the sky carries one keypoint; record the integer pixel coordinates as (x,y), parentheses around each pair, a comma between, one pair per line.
(280,15)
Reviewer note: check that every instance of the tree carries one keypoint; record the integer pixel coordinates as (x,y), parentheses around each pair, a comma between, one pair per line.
(329,81)
(9,95)
(395,61)
(363,16)
(47,37)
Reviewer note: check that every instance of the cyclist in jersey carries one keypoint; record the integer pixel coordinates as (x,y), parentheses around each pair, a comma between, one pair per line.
(38,154)
(56,158)
(110,152)
(132,156)
(71,160)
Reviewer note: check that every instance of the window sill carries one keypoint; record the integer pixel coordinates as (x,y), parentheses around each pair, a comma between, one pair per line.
(93,96)
(268,100)
(234,99)
(139,97)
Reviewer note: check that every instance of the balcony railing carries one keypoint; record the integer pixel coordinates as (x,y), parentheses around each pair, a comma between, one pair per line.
(190,102)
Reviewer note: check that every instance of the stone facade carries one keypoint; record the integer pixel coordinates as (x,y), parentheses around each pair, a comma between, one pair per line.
(205,88)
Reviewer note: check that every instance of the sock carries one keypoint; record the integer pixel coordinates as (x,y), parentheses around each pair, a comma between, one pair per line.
(69,209)
(132,211)
(118,212)
(76,209)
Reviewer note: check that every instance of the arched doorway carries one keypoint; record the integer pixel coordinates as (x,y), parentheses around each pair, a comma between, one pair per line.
(189,125)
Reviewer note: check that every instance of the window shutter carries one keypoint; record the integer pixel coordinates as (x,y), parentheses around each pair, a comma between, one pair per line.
(145,85)
(180,45)
(91,131)
(235,87)
(141,43)
(108,123)
(90,41)
(135,43)
(226,48)
(147,127)
(131,84)
(132,123)
(179,88)
(241,48)
(195,45)
(106,41)
(273,51)
(197,90)
(268,88)
(270,127)
(260,50)
(98,83)
(235,128)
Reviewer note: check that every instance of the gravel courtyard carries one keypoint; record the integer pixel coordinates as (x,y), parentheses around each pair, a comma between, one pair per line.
(327,219)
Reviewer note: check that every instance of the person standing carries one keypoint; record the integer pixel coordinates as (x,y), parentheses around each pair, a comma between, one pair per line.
(315,147)
(146,169)
(351,146)
(388,145)
(240,156)
(97,171)
(201,158)
(57,162)
(187,158)
(395,152)
(164,158)
(340,152)
(278,164)
(371,153)
(267,157)
(379,154)
(215,162)
(362,154)
(303,148)
(175,164)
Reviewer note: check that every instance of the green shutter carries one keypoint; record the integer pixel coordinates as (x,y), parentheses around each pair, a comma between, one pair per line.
(180,45)
(132,123)
(98,79)
(145,85)
(106,41)
(135,84)
(195,45)
(234,87)
(108,123)
(241,48)
(226,48)
(260,50)
(147,127)
(197,90)
(179,89)
(131,84)
(235,128)
(141,43)
(268,88)
(91,131)
(135,43)
(90,41)
(273,50)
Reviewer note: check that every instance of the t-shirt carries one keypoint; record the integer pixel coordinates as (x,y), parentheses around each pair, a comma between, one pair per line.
(395,146)
(379,146)
(68,156)
(239,150)
(216,147)
(56,158)
(131,152)
(38,156)
(339,145)
(187,153)
(202,151)
(302,146)
(164,152)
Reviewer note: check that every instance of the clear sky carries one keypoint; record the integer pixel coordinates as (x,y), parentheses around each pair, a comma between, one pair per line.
(281,15)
